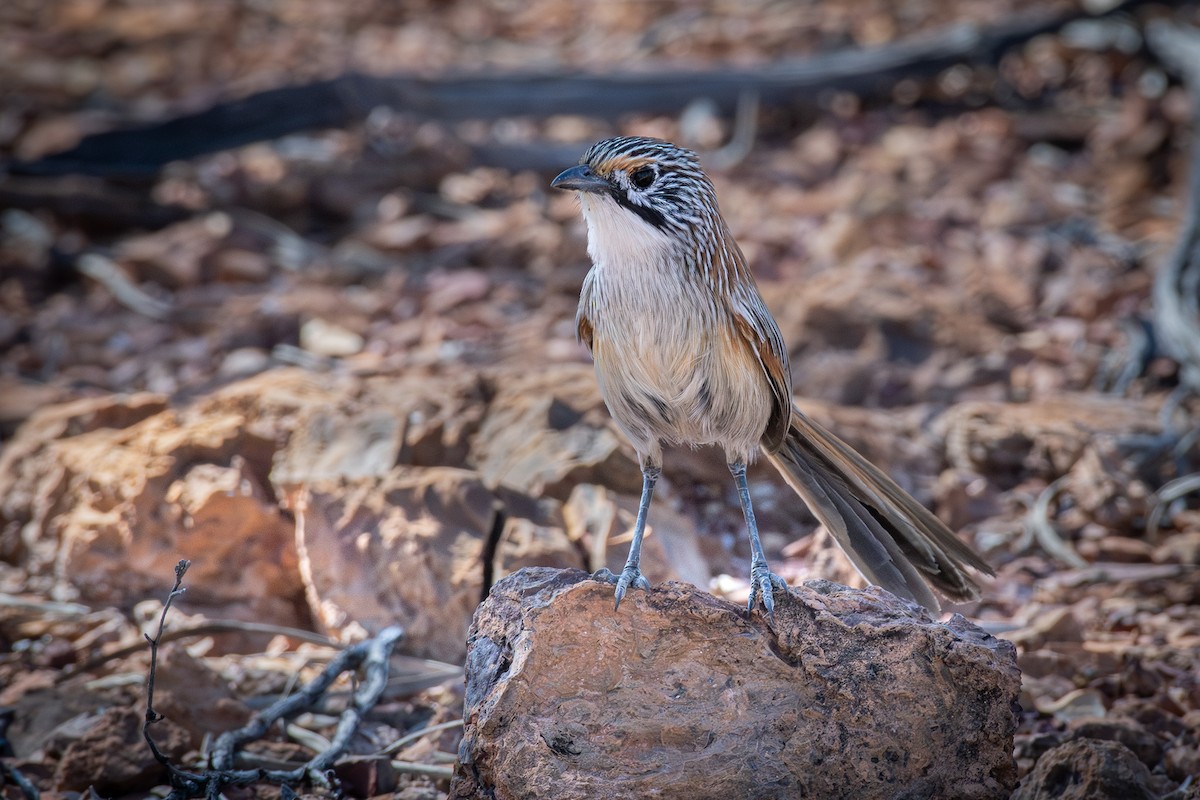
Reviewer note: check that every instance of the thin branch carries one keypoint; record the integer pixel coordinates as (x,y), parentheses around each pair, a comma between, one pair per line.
(395,746)
(429,770)
(309,738)
(10,774)
(50,607)
(105,272)
(1037,523)
(375,665)
(153,716)
(745,127)
(206,628)
(1176,289)
(1167,494)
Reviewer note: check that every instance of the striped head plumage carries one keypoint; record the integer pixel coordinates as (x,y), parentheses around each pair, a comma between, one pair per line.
(659,182)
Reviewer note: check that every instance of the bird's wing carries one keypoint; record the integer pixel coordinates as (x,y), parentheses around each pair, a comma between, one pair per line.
(583,327)
(583,323)
(758,330)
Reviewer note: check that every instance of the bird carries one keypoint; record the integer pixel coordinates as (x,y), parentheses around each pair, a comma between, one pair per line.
(687,353)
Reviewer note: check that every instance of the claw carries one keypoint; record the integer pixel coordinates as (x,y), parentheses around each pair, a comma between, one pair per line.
(630,576)
(763,583)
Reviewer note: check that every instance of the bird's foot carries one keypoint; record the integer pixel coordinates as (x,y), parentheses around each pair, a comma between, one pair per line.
(764,582)
(630,576)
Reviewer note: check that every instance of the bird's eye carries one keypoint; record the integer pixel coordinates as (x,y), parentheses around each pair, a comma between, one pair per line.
(642,177)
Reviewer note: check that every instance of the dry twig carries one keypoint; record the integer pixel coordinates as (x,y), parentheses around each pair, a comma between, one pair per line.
(10,774)
(1167,494)
(428,770)
(1039,526)
(408,738)
(372,656)
(153,716)
(1177,283)
(206,628)
(105,272)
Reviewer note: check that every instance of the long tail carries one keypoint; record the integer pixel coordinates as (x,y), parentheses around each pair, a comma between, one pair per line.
(893,540)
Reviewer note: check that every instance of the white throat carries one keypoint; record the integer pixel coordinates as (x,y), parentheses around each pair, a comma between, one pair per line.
(618,239)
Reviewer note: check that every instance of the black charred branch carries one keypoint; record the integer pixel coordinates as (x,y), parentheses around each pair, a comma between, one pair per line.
(370,656)
(802,84)
(1176,295)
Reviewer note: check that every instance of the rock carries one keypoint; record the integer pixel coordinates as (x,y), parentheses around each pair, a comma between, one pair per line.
(1116,548)
(414,548)
(243,362)
(29,468)
(21,399)
(366,776)
(1046,437)
(1141,742)
(601,521)
(113,757)
(47,718)
(333,443)
(234,264)
(1059,624)
(194,697)
(1083,769)
(142,494)
(174,256)
(106,495)
(547,431)
(418,420)
(847,694)
(326,338)
(1179,548)
(1183,762)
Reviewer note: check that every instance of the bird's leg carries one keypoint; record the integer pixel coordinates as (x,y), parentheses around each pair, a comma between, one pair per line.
(762,580)
(631,575)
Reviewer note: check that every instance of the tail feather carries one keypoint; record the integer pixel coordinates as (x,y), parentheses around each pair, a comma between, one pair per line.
(893,540)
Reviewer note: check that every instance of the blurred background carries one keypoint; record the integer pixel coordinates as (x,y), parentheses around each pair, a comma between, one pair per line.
(283,290)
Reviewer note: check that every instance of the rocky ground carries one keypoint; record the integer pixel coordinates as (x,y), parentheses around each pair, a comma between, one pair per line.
(337,371)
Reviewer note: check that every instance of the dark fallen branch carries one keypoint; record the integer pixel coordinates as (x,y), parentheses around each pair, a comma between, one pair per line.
(796,84)
(1176,294)
(89,202)
(371,656)
(10,774)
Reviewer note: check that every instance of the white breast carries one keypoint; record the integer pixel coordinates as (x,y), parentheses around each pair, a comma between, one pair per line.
(659,342)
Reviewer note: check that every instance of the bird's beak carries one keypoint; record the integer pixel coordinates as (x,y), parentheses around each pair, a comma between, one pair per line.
(582,178)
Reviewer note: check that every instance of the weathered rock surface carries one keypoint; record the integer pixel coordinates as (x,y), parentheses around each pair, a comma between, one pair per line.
(545,433)
(846,694)
(370,500)
(113,758)
(193,698)
(1083,769)
(107,495)
(414,546)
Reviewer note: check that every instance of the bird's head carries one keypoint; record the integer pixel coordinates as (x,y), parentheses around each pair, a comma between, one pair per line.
(630,181)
